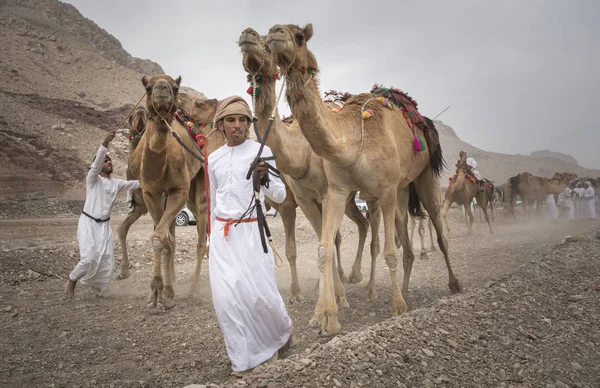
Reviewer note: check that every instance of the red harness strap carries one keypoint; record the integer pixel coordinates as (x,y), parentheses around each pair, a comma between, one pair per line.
(229,222)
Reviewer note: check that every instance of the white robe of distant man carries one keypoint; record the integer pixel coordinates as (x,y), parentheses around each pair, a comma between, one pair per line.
(588,206)
(551,206)
(249,307)
(96,248)
(565,203)
(578,200)
(473,164)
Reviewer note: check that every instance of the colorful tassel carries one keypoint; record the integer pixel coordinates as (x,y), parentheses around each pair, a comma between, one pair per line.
(423,144)
(416,144)
(367,114)
(250,90)
(380,99)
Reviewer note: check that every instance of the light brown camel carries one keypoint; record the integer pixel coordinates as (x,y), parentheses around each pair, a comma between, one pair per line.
(301,167)
(199,110)
(380,162)
(534,188)
(462,189)
(165,167)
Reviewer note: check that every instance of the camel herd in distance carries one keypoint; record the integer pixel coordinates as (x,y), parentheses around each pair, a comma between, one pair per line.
(326,154)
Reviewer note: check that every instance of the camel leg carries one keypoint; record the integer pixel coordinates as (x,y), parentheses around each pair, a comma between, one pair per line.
(430,225)
(338,246)
(171,261)
(428,188)
(423,255)
(375,220)
(363,227)
(445,208)
(413,223)
(139,209)
(484,209)
(314,214)
(401,221)
(326,311)
(197,205)
(468,217)
(163,244)
(395,221)
(288,216)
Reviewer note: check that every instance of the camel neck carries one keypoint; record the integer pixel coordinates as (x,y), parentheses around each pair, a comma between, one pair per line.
(287,143)
(317,121)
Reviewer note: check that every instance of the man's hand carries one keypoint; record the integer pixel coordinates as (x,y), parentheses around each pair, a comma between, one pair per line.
(261,170)
(109,137)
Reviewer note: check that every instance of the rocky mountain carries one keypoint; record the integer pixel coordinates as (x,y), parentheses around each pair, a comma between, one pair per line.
(556,155)
(64,81)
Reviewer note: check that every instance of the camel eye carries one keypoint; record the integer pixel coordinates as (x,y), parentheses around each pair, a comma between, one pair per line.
(149,88)
(175,89)
(300,38)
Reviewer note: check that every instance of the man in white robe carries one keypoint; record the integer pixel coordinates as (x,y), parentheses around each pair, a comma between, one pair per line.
(588,205)
(94,234)
(249,307)
(551,206)
(565,203)
(578,200)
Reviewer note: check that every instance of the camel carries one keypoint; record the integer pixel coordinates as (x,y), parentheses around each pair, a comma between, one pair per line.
(374,156)
(164,167)
(462,189)
(197,108)
(534,188)
(300,166)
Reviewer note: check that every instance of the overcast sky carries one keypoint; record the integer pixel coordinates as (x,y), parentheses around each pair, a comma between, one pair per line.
(519,75)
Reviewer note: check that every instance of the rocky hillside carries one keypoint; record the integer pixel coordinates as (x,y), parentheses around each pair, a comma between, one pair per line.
(556,155)
(56,103)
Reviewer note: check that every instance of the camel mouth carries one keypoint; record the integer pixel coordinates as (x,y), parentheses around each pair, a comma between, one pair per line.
(277,45)
(248,45)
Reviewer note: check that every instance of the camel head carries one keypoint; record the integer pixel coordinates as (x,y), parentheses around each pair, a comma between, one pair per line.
(288,44)
(256,54)
(198,108)
(137,121)
(161,94)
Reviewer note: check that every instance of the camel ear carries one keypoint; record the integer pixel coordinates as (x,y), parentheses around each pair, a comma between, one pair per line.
(308,32)
(178,81)
(145,80)
(211,102)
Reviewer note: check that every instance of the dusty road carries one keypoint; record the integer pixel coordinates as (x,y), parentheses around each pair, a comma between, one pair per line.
(118,341)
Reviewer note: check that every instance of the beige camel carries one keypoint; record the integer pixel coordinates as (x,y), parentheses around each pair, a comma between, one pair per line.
(379,162)
(302,168)
(462,189)
(197,108)
(165,167)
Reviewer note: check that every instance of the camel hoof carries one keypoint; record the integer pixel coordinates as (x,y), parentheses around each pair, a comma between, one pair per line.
(168,304)
(343,302)
(151,304)
(455,286)
(314,324)
(330,331)
(123,275)
(399,309)
(355,277)
(424,256)
(295,298)
(343,277)
(371,293)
